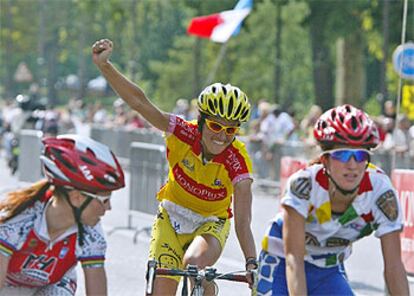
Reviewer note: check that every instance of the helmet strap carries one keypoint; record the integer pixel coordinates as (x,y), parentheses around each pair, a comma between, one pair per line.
(77,212)
(201,121)
(343,191)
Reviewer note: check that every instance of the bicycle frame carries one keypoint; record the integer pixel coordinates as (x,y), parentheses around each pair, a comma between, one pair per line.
(192,272)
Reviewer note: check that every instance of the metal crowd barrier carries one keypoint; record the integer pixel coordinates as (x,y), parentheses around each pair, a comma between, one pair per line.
(382,160)
(149,170)
(29,166)
(119,140)
(270,169)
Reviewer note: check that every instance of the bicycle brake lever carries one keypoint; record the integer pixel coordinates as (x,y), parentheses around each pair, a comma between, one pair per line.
(210,273)
(152,265)
(192,270)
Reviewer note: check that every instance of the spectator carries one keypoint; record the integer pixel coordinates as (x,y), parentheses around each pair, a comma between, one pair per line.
(193,111)
(284,125)
(308,122)
(389,110)
(120,117)
(181,108)
(402,135)
(100,115)
(135,121)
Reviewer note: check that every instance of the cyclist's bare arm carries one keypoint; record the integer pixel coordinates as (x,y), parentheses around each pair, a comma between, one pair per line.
(4,264)
(243,216)
(126,89)
(95,281)
(294,243)
(394,271)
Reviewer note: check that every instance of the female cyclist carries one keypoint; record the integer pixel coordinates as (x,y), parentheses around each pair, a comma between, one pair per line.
(208,167)
(47,228)
(338,199)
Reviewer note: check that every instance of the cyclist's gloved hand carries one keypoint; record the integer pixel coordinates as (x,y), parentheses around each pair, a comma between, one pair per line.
(251,267)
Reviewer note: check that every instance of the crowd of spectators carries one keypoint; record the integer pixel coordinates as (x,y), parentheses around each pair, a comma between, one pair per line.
(270,125)
(68,119)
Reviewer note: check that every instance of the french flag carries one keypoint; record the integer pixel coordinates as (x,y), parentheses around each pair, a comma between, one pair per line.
(219,27)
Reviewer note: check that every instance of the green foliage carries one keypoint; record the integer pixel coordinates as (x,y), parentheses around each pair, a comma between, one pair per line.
(372,106)
(152,48)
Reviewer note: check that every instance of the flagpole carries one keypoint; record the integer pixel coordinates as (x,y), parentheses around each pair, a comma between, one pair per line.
(220,57)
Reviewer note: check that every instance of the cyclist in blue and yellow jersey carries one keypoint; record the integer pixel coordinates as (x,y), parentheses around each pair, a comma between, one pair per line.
(209,169)
(337,200)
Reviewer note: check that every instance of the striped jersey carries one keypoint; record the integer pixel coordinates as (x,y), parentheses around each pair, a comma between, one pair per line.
(328,235)
(205,188)
(35,260)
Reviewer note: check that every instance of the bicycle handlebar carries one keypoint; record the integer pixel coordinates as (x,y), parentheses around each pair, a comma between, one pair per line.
(192,271)
(204,273)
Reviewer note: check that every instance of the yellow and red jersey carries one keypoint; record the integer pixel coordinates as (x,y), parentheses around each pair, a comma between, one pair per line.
(205,188)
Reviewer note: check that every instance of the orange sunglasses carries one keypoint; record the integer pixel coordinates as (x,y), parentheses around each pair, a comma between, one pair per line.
(218,127)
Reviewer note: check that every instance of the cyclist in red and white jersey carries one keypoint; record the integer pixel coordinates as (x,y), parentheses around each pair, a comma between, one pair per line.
(337,200)
(209,169)
(47,228)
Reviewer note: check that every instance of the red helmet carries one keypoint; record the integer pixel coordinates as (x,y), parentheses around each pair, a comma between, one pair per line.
(81,163)
(346,125)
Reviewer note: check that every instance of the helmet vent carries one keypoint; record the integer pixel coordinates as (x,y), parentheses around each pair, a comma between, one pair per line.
(354,123)
(245,113)
(355,138)
(333,115)
(213,89)
(211,105)
(224,90)
(238,110)
(104,182)
(58,155)
(340,137)
(91,152)
(88,160)
(221,107)
(230,106)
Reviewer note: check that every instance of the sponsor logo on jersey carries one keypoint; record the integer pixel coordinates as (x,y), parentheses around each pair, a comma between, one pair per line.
(233,161)
(188,165)
(337,242)
(63,252)
(217,182)
(311,240)
(301,187)
(387,203)
(196,189)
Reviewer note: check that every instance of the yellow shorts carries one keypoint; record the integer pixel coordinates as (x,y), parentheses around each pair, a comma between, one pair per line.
(168,247)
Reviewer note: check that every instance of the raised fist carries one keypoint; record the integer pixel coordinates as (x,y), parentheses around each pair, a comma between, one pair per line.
(101,51)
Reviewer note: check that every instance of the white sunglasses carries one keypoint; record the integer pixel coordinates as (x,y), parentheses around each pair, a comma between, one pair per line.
(102,198)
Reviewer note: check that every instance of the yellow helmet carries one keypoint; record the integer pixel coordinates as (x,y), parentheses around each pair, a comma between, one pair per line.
(225,101)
